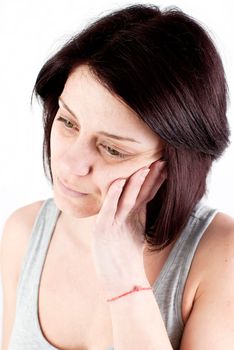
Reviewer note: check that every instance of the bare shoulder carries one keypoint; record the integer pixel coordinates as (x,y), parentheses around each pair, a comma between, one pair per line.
(25,215)
(212,262)
(20,221)
(216,248)
(220,234)
(15,235)
(222,221)
(209,302)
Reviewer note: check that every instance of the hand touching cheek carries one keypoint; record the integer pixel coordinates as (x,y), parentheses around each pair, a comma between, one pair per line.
(119,227)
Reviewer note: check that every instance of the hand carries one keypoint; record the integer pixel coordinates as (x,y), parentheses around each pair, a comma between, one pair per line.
(118,234)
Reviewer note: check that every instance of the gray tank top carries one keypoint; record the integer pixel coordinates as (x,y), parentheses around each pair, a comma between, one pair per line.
(168,288)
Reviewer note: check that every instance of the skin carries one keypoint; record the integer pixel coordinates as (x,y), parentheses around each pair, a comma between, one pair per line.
(86,160)
(208,298)
(110,222)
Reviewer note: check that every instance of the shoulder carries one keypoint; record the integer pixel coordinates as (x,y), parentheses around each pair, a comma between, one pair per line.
(209,313)
(218,238)
(213,265)
(222,221)
(25,214)
(215,247)
(212,262)
(214,256)
(15,236)
(20,222)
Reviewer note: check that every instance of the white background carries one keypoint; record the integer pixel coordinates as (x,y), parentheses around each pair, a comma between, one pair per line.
(30,31)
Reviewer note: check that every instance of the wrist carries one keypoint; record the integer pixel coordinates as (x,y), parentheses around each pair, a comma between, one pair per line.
(119,287)
(135,289)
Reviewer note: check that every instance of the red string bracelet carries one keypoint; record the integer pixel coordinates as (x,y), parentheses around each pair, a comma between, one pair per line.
(135,289)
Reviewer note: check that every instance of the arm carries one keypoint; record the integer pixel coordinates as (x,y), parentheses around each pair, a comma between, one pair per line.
(118,252)
(136,319)
(118,255)
(137,322)
(210,325)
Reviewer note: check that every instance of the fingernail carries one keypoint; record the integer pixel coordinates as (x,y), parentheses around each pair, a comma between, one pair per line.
(161,165)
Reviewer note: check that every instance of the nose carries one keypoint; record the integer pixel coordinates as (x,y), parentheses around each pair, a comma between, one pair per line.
(79,158)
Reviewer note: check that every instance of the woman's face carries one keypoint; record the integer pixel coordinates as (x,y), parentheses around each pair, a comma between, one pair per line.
(95,139)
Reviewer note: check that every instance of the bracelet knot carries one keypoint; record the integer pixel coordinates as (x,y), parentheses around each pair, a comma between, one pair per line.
(134,289)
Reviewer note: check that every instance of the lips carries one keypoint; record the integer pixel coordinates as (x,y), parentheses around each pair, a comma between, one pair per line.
(67,187)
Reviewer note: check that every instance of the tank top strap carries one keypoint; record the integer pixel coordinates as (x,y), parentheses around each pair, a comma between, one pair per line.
(38,244)
(26,332)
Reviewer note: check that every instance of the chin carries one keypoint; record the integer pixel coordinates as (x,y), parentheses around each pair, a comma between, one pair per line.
(78,208)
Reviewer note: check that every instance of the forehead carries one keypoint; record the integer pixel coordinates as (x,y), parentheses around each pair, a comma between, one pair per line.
(83,87)
(95,105)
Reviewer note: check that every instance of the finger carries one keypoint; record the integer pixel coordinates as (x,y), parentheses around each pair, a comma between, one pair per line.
(153,182)
(129,196)
(155,189)
(109,206)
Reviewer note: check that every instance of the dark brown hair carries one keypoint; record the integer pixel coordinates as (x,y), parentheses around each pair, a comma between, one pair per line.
(164,65)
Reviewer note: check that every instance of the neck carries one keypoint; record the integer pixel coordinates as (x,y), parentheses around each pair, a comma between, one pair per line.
(78,229)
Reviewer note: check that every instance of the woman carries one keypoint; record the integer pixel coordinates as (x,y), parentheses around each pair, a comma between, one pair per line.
(126,254)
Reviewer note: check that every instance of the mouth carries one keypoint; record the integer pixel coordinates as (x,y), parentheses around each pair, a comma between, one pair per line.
(68,191)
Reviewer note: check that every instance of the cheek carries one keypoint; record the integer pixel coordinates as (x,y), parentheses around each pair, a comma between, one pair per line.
(58,145)
(103,179)
(107,174)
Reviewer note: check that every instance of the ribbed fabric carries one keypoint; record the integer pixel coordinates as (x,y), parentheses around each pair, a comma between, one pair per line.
(168,288)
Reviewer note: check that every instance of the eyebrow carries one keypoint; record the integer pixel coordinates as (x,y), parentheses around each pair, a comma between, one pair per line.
(117,137)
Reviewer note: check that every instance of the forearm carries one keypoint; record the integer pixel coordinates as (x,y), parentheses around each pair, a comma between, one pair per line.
(137,323)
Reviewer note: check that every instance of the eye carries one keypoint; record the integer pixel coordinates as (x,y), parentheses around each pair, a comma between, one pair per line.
(67,123)
(113,152)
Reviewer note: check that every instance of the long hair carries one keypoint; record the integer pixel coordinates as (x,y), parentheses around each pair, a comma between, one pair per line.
(164,65)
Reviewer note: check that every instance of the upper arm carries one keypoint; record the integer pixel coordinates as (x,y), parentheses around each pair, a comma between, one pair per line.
(14,242)
(211,322)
